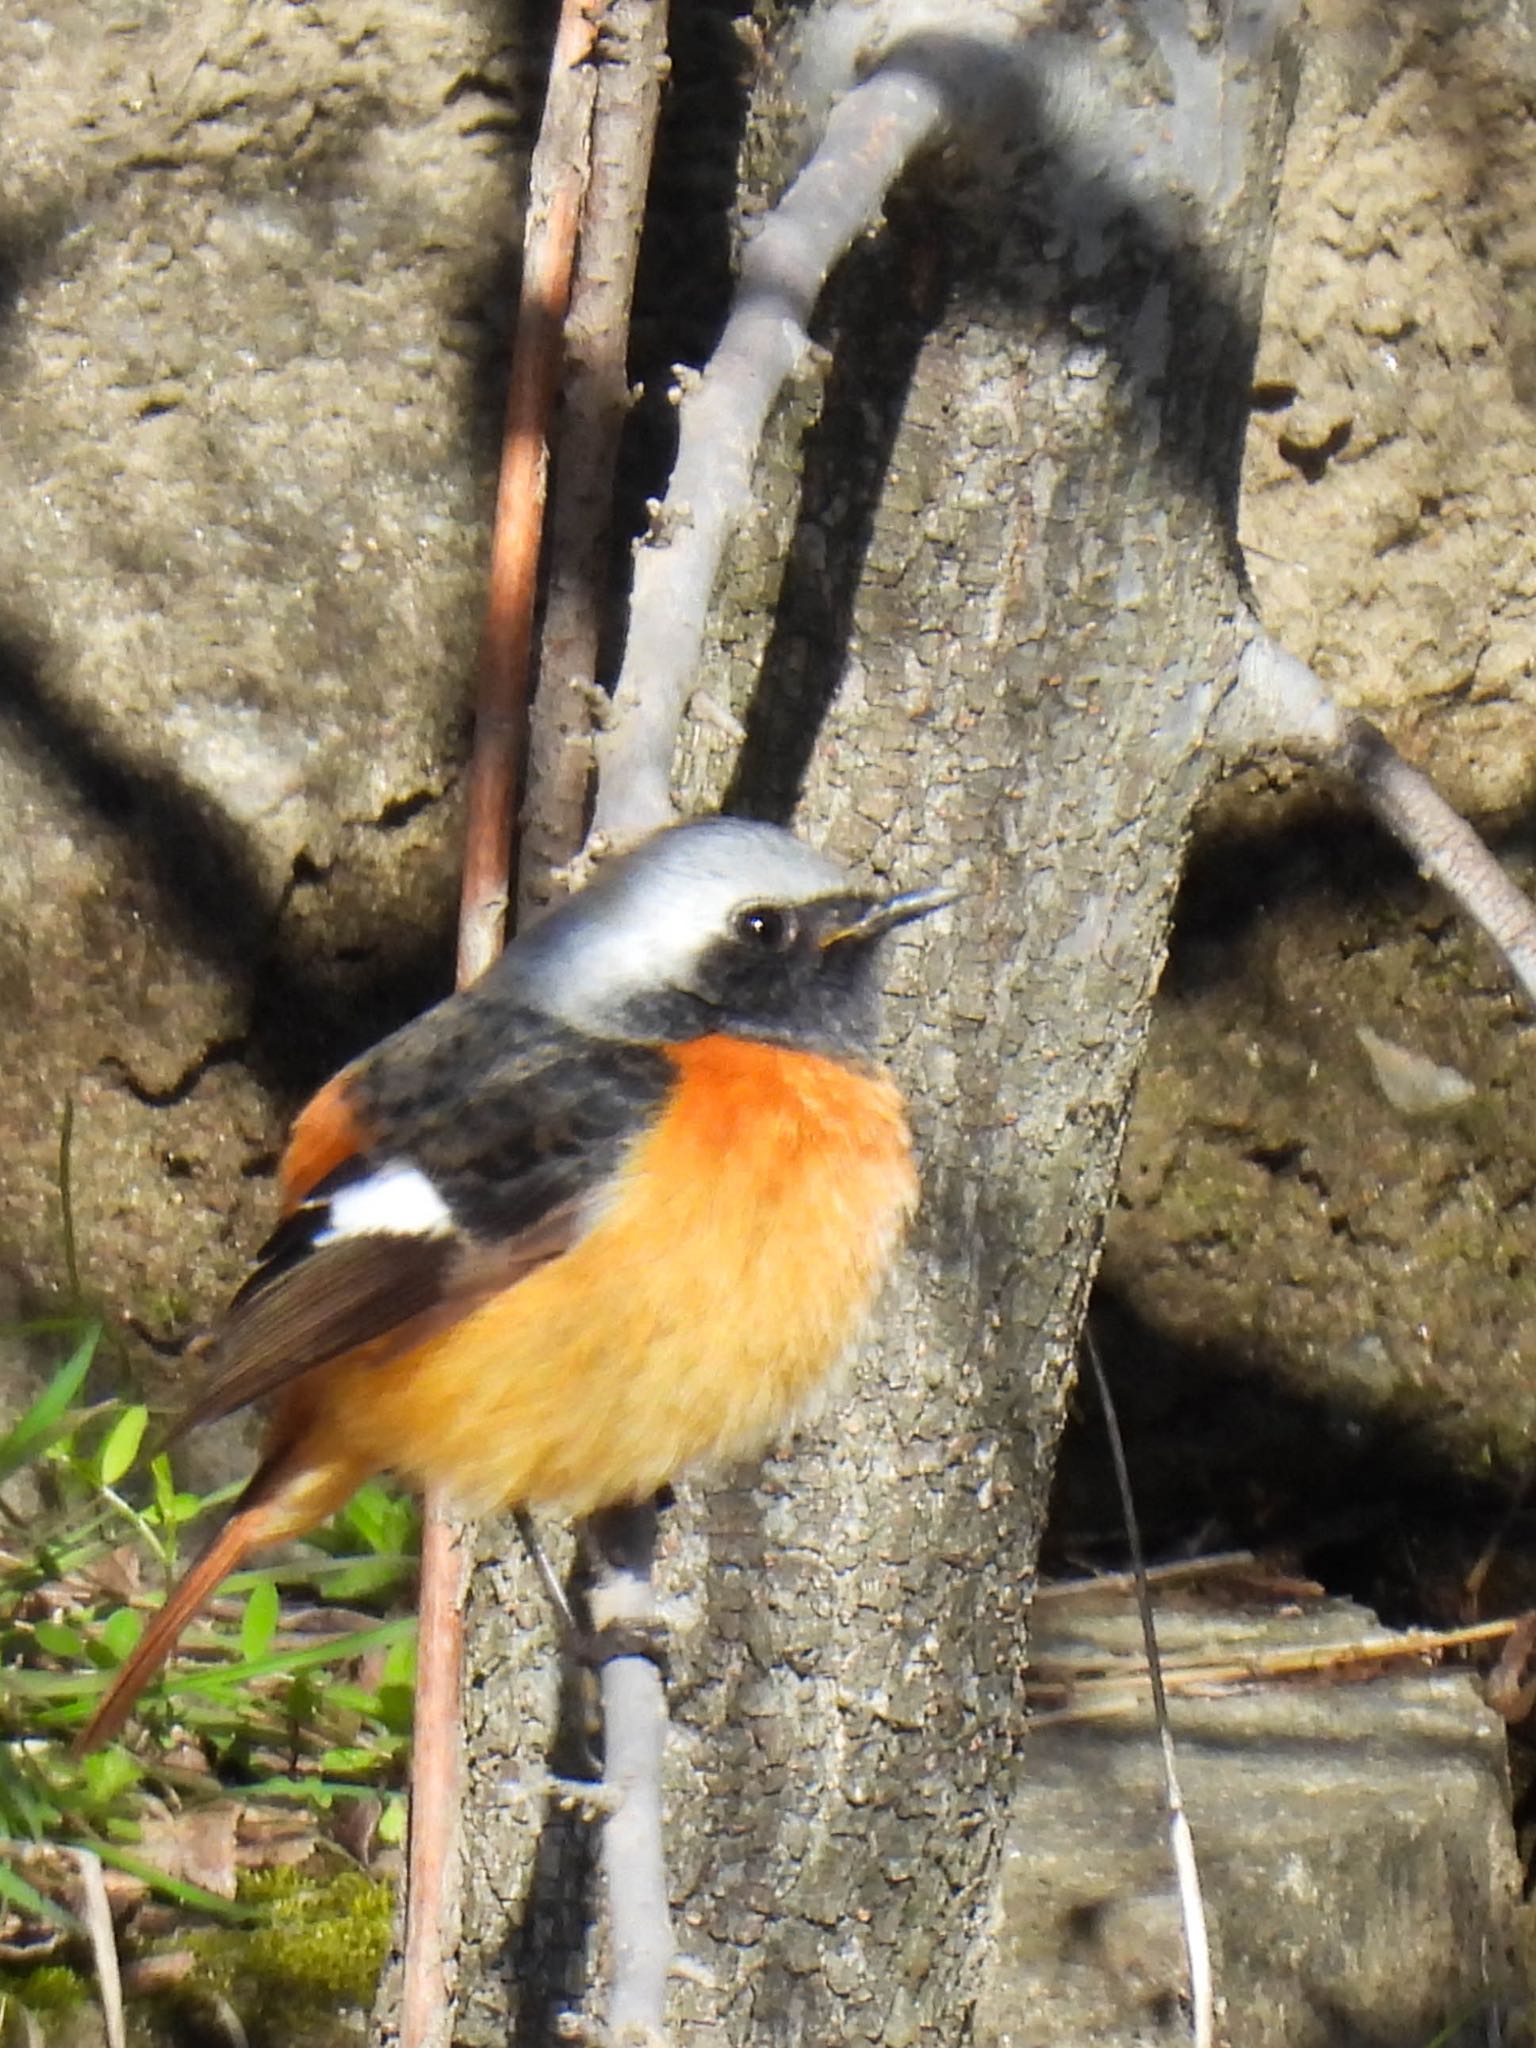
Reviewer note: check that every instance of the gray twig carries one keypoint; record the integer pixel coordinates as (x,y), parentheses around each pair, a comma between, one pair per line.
(1281,701)
(1445,847)
(622,1541)
(870,135)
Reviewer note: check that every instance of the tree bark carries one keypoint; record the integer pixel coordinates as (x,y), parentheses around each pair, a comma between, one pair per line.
(976,636)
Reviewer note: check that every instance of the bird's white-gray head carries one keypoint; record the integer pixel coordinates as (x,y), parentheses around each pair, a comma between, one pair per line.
(721,924)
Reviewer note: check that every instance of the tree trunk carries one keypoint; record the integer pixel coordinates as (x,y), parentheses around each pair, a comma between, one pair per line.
(1006,608)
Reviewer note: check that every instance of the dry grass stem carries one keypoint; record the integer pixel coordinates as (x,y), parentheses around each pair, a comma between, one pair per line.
(1093,1689)
(96,1916)
(1181,1841)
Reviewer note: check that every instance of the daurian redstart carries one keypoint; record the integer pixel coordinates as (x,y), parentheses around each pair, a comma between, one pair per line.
(612,1211)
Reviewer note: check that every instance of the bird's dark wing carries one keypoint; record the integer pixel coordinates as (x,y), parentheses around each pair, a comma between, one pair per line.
(485,1137)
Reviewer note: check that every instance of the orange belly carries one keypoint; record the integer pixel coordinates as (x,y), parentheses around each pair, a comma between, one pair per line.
(743,1239)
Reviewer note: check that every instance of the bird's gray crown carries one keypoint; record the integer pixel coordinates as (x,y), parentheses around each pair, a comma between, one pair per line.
(643,925)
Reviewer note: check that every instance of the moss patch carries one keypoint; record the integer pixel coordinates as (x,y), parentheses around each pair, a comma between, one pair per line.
(316,1953)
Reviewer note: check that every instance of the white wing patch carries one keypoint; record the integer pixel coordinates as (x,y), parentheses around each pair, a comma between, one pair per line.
(396,1201)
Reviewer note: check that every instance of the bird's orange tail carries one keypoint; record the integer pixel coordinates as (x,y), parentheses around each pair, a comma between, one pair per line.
(223,1555)
(250,1525)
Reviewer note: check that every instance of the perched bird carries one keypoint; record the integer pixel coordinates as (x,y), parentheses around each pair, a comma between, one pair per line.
(614,1210)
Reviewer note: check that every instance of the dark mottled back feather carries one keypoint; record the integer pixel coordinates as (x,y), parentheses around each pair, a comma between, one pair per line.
(551,1118)
(553,1112)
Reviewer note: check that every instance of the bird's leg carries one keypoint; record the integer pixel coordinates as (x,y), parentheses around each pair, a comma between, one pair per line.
(593,1644)
(619,1544)
(549,1578)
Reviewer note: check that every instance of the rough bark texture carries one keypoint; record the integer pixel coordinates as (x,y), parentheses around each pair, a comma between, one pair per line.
(1007,610)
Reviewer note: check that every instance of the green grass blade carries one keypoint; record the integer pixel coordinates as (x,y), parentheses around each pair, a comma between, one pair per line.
(285,1663)
(44,1420)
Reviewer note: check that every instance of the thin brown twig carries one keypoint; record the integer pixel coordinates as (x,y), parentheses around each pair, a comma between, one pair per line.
(595,399)
(1125,1687)
(437,1743)
(556,178)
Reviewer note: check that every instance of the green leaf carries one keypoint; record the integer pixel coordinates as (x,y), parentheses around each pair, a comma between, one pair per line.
(381,1521)
(165,1487)
(59,1639)
(258,1625)
(44,1420)
(400,1665)
(120,1446)
(348,1761)
(109,1774)
(171,1508)
(395,1706)
(392,1821)
(121,1631)
(25,1807)
(320,1792)
(350,1581)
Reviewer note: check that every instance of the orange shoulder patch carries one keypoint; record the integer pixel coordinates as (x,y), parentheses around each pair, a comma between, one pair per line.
(325,1134)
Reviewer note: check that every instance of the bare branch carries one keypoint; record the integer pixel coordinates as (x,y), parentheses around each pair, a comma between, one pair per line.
(556,177)
(595,400)
(1279,701)
(623,1542)
(870,135)
(1445,847)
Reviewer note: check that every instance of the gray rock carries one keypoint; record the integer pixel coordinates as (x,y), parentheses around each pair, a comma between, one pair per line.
(1354,1843)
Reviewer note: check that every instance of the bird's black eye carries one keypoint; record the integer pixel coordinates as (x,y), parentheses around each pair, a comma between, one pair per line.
(765,928)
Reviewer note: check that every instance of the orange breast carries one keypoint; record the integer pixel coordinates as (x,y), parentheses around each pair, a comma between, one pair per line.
(742,1240)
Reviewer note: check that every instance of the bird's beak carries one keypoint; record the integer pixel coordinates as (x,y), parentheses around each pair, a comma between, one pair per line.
(880,918)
